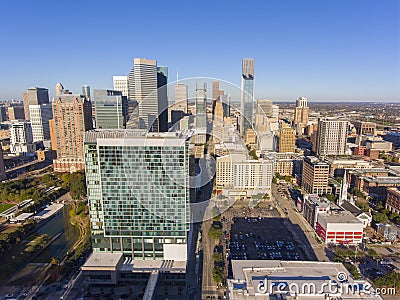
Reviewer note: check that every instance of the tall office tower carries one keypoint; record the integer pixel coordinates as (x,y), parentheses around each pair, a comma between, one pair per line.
(86,91)
(365,127)
(218,117)
(3,175)
(315,176)
(142,87)
(226,104)
(34,96)
(3,114)
(216,93)
(138,193)
(287,140)
(247,95)
(40,117)
(21,138)
(111,109)
(72,116)
(16,113)
(181,97)
(121,84)
(301,112)
(264,106)
(201,103)
(331,137)
(59,89)
(162,81)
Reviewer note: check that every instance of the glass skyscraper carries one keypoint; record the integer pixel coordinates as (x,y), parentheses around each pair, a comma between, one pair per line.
(247,95)
(111,109)
(201,103)
(138,193)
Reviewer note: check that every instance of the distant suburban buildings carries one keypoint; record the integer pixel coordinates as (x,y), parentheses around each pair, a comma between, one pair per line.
(331,137)
(111,109)
(22,138)
(40,116)
(72,116)
(247,97)
(34,96)
(138,193)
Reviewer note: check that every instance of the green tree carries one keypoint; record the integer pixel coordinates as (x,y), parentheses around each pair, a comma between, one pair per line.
(218,257)
(363,205)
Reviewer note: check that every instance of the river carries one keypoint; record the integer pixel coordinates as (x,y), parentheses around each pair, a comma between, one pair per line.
(69,235)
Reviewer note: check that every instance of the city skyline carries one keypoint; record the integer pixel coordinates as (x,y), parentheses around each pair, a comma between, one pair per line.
(333,52)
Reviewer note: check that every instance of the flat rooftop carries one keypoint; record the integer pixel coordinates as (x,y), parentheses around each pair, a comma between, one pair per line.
(102,260)
(340,217)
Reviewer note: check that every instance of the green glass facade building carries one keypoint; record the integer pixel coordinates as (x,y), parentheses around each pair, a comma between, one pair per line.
(138,193)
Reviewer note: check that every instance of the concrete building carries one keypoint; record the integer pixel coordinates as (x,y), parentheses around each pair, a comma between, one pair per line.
(393,200)
(365,127)
(22,138)
(313,205)
(338,166)
(315,176)
(151,279)
(264,107)
(287,140)
(16,113)
(2,166)
(331,137)
(253,176)
(181,97)
(247,96)
(120,83)
(251,137)
(40,116)
(138,193)
(34,96)
(143,83)
(201,104)
(301,112)
(274,279)
(216,94)
(339,227)
(59,89)
(111,109)
(382,146)
(289,164)
(72,116)
(86,92)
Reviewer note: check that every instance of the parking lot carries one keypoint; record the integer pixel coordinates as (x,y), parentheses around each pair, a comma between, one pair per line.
(253,238)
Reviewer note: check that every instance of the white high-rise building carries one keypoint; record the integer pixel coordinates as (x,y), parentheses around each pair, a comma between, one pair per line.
(331,137)
(181,97)
(40,117)
(142,87)
(121,84)
(21,138)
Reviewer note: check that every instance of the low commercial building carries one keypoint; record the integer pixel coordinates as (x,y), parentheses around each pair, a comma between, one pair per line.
(273,279)
(393,200)
(150,279)
(339,227)
(383,146)
(313,205)
(337,166)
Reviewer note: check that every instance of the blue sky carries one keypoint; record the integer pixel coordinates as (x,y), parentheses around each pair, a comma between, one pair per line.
(334,50)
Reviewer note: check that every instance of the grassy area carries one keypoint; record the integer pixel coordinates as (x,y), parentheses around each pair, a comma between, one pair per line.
(5,206)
